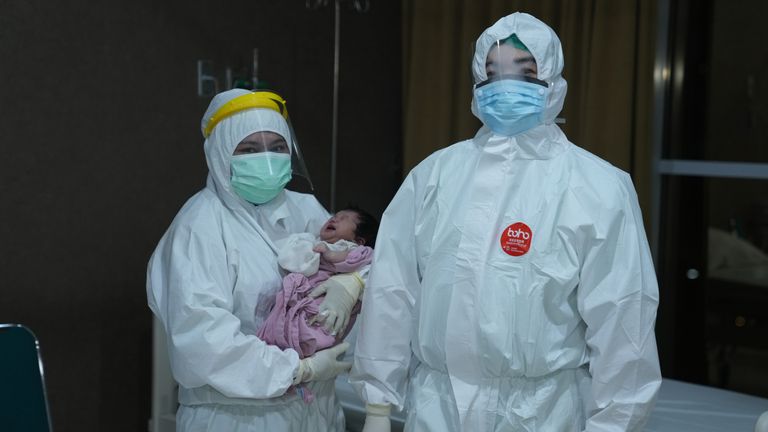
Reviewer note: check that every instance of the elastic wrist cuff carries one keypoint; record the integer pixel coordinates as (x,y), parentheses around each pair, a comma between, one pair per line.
(299,378)
(382,410)
(352,283)
(359,279)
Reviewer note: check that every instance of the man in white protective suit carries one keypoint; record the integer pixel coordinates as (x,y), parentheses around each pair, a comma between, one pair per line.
(512,287)
(213,278)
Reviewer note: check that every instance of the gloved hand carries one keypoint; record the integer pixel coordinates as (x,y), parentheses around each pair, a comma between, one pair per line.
(323,365)
(341,293)
(377,418)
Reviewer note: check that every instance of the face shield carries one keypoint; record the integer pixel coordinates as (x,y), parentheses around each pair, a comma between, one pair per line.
(512,99)
(269,137)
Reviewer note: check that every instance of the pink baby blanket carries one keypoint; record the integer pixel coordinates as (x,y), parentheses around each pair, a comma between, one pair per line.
(286,326)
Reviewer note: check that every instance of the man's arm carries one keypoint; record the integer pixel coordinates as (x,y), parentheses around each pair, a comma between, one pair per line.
(618,297)
(383,350)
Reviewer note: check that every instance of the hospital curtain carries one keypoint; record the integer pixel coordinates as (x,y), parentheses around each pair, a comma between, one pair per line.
(608,47)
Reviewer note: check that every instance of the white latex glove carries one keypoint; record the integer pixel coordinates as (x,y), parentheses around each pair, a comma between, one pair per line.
(762,423)
(323,365)
(377,418)
(341,293)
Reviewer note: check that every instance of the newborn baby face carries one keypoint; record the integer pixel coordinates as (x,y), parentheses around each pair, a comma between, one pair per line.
(341,226)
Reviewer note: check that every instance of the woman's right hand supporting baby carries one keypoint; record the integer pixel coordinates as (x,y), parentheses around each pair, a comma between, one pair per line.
(323,365)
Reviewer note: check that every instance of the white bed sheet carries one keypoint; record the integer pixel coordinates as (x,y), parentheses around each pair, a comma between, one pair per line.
(685,407)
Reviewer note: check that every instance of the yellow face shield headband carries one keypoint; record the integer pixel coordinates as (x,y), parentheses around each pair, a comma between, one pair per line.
(261,99)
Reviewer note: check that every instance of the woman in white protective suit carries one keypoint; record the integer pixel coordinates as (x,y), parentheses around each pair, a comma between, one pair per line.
(512,287)
(213,277)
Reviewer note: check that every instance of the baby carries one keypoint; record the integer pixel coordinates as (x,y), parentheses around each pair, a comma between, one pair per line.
(343,232)
(344,246)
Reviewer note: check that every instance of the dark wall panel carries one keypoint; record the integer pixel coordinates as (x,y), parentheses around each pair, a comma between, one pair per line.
(101,146)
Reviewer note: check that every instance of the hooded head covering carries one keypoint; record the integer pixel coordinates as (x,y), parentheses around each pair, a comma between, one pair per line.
(228,132)
(543,44)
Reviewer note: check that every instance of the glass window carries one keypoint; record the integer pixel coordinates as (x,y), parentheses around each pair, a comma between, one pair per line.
(719,105)
(714,281)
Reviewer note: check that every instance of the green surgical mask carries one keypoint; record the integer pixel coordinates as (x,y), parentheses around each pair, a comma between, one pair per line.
(259,177)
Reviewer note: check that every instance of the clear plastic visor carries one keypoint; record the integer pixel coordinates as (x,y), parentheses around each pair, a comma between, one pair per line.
(274,136)
(512,77)
(507,61)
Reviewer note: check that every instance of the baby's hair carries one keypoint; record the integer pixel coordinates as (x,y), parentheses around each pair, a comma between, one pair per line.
(367,227)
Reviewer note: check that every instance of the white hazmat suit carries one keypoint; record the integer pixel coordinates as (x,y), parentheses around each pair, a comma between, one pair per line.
(212,282)
(512,287)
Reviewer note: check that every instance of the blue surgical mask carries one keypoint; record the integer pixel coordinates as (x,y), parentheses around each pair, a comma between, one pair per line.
(509,107)
(259,177)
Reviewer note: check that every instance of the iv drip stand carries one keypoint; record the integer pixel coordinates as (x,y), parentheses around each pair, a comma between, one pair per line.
(360,6)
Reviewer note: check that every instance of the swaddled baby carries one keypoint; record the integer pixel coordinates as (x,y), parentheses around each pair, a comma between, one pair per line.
(344,246)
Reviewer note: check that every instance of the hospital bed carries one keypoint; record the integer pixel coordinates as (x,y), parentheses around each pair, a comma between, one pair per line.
(681,407)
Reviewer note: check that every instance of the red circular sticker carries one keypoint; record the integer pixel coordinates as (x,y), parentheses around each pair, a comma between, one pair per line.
(516,239)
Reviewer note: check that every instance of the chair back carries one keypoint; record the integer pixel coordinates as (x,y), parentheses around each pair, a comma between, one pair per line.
(23,401)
